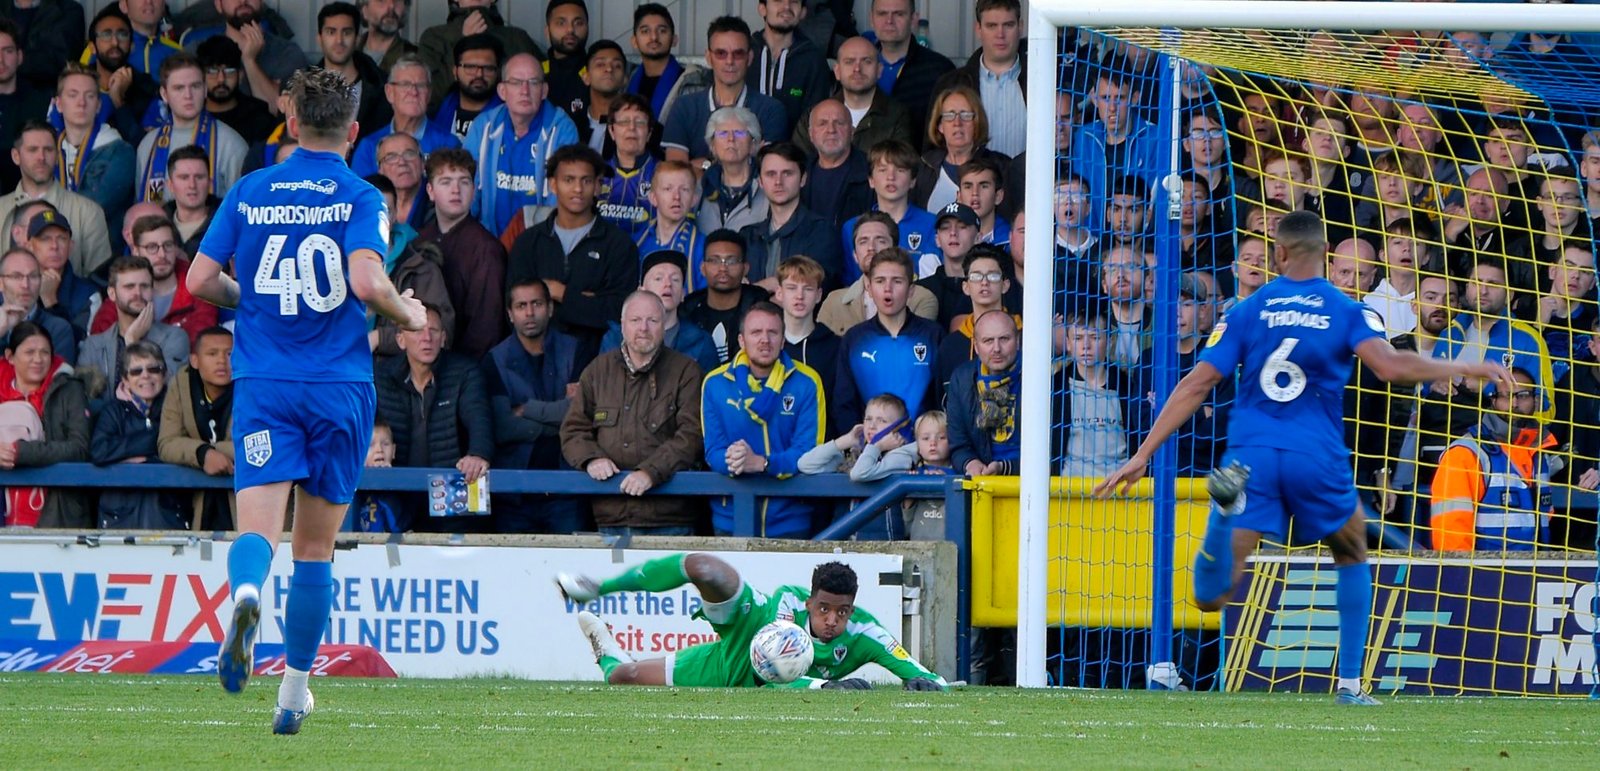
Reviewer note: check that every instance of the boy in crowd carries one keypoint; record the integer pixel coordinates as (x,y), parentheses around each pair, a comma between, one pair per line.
(894,166)
(673,195)
(814,345)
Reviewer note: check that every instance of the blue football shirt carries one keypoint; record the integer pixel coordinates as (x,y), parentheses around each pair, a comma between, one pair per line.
(1293,344)
(289,230)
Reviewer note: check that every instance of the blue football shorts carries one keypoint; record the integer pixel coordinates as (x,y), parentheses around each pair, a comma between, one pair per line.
(314,434)
(1314,490)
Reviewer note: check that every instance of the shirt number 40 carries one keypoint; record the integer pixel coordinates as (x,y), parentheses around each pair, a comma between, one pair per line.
(291,278)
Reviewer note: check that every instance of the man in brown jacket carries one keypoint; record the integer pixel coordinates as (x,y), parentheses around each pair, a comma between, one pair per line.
(197,424)
(638,407)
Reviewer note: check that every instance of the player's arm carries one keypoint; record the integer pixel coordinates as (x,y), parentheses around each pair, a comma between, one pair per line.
(1186,399)
(373,287)
(884,650)
(1410,367)
(208,281)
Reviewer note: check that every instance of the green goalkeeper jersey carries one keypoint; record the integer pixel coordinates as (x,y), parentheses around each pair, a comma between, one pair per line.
(864,641)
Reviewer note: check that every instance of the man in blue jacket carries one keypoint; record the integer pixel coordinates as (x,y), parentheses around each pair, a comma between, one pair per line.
(760,412)
(513,142)
(1119,144)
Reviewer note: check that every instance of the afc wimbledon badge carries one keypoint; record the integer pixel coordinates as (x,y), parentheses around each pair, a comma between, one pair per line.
(258,448)
(914,240)
(920,350)
(788,404)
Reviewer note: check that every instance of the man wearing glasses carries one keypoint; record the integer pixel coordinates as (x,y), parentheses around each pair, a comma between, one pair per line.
(124,89)
(728,52)
(470,88)
(512,143)
(224,66)
(407,92)
(155,239)
(20,279)
(1491,490)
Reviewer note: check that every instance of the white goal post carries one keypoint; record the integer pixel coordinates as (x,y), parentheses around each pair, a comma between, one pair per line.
(1045,19)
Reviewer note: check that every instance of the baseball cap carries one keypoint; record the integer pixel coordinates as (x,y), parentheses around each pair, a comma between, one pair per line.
(960,211)
(1189,287)
(664,256)
(47,219)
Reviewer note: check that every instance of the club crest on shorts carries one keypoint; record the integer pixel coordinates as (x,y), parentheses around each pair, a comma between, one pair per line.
(914,240)
(258,448)
(920,350)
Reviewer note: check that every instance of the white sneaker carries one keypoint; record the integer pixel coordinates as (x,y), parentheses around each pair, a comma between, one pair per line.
(577,588)
(600,638)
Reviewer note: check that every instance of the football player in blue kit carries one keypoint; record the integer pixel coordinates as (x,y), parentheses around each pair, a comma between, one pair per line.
(307,238)
(1291,344)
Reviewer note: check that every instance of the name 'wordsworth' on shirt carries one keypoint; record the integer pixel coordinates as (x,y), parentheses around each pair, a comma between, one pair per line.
(296,215)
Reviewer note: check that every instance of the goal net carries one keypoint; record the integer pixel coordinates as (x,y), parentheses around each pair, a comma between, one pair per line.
(1458,175)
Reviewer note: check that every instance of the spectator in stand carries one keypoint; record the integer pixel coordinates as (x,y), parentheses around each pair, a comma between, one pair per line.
(61,290)
(1325,140)
(844,308)
(892,165)
(474,260)
(130,293)
(122,94)
(407,92)
(894,352)
(1102,410)
(958,232)
(730,192)
(374,512)
(871,114)
(1206,143)
(190,200)
(1483,227)
(1127,215)
(35,153)
(1353,268)
(1077,246)
(566,27)
(417,267)
(382,21)
(1419,134)
(20,279)
(337,25)
(148,47)
(135,213)
(789,227)
(1394,298)
(1249,267)
(660,76)
(514,144)
(264,37)
(787,67)
(985,290)
(1400,188)
(588,264)
(1491,491)
(997,72)
(886,427)
(1561,213)
(807,342)
(717,308)
(761,412)
(910,70)
(401,233)
(183,90)
(625,191)
(985,399)
(532,377)
(1507,147)
(1205,244)
(1589,171)
(434,401)
(95,162)
(1567,311)
(1118,143)
(672,198)
(983,189)
(1578,423)
(467,87)
(958,131)
(1132,317)
(54,428)
(125,431)
(1201,443)
(156,240)
(662,276)
(661,389)
(223,65)
(691,124)
(1486,329)
(16,104)
(836,184)
(606,74)
(470,19)
(51,33)
(197,424)
(400,160)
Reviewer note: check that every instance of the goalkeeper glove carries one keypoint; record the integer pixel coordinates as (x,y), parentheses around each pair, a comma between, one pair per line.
(852,684)
(923,684)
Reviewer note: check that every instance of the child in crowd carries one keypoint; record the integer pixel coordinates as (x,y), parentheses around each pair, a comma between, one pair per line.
(377,512)
(674,194)
(884,428)
(930,455)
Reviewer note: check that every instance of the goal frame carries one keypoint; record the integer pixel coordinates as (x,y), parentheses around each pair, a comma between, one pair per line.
(1045,20)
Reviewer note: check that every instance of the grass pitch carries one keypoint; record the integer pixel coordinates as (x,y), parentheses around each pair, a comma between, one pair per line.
(85,721)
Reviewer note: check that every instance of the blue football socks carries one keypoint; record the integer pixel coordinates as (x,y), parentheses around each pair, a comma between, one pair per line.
(1213,565)
(249,560)
(1353,598)
(306,613)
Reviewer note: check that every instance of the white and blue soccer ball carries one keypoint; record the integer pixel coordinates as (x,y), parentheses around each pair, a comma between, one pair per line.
(780,652)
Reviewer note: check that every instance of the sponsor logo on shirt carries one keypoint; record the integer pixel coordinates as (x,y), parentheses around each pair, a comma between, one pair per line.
(323,186)
(516,183)
(1308,300)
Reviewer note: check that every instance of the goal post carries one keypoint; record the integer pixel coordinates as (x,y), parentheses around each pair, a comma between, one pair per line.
(1161,19)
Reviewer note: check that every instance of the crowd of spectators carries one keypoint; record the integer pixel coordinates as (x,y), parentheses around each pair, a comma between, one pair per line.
(804,256)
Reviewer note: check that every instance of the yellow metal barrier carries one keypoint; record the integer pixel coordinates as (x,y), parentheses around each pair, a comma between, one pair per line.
(1100,554)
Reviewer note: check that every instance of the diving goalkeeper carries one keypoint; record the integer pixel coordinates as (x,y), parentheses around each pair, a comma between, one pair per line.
(844,637)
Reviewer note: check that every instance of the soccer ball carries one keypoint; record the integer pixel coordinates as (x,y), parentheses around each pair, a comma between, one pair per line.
(780,652)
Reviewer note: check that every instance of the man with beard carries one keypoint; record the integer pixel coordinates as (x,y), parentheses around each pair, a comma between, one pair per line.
(874,117)
(35,152)
(660,74)
(190,200)
(125,92)
(183,89)
(605,75)
(566,26)
(270,55)
(381,41)
(473,89)
(468,18)
(131,292)
(16,104)
(786,66)
(95,162)
(337,24)
(1492,489)
(407,92)
(156,239)
(224,66)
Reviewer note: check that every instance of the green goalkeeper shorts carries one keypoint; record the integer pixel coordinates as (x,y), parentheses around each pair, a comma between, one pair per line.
(726,662)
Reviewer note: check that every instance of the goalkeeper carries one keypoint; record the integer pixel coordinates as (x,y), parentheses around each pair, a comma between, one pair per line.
(844,637)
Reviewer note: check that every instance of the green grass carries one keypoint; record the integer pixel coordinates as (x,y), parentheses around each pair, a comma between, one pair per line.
(83,721)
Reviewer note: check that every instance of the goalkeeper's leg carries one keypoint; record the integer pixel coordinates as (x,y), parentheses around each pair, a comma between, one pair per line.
(716,579)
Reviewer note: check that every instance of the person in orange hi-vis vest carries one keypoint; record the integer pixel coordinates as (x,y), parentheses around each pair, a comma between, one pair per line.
(1490,489)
